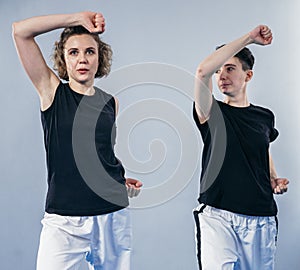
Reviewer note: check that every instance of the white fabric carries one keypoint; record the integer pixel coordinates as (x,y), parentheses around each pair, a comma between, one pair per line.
(230,241)
(104,241)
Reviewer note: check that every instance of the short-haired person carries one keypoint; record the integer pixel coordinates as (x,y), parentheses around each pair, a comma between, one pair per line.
(86,215)
(236,225)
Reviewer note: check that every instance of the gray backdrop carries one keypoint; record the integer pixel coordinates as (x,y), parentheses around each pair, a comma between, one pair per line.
(157,46)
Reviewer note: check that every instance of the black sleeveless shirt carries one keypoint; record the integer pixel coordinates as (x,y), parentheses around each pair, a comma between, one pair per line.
(84,176)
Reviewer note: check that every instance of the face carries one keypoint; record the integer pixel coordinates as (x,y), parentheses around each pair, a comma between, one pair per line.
(81,57)
(231,78)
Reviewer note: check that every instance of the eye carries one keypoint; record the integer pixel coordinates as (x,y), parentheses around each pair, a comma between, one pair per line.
(73,52)
(218,71)
(90,51)
(230,69)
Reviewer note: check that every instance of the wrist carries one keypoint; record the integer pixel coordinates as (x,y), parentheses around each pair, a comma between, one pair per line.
(273,178)
(248,39)
(72,19)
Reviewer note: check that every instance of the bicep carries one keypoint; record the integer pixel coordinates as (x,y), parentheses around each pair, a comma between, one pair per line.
(42,77)
(203,98)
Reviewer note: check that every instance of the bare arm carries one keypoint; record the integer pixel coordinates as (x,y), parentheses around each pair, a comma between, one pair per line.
(203,78)
(279,185)
(116,106)
(24,33)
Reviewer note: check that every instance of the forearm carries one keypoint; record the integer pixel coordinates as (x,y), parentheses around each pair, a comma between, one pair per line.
(205,71)
(35,26)
(273,173)
(214,61)
(279,185)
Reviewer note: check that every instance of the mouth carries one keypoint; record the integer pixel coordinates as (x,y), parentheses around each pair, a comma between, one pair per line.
(82,70)
(224,85)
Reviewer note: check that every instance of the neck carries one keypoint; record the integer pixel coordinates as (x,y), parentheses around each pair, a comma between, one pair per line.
(82,88)
(237,101)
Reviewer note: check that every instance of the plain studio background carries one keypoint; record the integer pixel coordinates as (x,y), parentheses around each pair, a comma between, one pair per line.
(157,46)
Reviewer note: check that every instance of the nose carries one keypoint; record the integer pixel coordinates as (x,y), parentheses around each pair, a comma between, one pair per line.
(222,74)
(82,58)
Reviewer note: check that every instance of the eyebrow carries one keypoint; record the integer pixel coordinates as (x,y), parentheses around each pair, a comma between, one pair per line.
(88,48)
(230,65)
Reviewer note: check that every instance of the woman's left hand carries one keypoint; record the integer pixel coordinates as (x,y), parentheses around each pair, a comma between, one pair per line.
(133,187)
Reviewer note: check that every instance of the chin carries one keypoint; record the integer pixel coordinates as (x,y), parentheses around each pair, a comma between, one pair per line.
(226,93)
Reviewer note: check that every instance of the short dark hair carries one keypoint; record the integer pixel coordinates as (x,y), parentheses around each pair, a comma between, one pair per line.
(104,52)
(245,56)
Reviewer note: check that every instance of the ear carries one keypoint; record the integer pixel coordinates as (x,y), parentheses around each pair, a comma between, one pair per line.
(249,75)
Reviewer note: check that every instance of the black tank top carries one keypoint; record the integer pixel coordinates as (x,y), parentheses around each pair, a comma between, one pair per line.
(84,176)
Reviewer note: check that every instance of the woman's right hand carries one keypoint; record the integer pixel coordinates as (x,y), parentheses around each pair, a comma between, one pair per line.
(92,21)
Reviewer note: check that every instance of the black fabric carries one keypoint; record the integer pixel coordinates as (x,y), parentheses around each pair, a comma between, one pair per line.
(75,128)
(235,172)
(277,229)
(198,234)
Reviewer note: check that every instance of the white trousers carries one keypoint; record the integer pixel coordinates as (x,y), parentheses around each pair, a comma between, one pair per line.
(229,241)
(104,241)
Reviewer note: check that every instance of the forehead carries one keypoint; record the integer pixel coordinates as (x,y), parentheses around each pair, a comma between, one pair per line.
(233,61)
(81,41)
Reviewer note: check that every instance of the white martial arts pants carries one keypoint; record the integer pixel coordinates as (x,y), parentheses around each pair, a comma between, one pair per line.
(104,241)
(229,241)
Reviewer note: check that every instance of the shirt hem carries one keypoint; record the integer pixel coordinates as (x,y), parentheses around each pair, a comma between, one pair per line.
(81,213)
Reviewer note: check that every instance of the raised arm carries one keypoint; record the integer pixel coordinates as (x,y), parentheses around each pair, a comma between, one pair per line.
(261,35)
(24,33)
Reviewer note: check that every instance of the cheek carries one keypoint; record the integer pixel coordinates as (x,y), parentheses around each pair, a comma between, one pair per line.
(95,61)
(69,64)
(95,65)
(240,79)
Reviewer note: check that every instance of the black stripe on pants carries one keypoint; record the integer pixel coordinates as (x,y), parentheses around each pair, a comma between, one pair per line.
(198,234)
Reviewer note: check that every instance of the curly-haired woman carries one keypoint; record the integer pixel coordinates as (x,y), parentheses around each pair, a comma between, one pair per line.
(86,215)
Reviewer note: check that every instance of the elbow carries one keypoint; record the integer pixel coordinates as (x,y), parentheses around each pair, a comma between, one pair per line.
(202,72)
(18,31)
(15,29)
